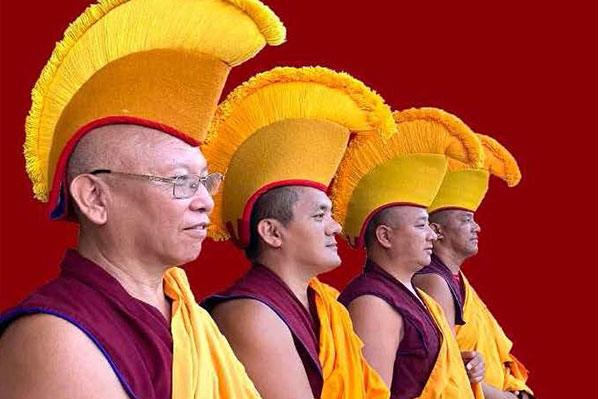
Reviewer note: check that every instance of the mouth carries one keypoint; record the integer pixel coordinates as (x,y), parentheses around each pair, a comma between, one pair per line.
(332,245)
(198,230)
(428,249)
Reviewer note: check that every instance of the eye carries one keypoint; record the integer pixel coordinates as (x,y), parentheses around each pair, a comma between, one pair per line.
(187,181)
(319,216)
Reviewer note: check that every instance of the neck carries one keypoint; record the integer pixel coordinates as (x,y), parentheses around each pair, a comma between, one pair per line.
(292,274)
(140,280)
(450,258)
(400,271)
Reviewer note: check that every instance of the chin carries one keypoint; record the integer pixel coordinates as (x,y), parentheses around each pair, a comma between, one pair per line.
(330,264)
(473,251)
(423,262)
(188,256)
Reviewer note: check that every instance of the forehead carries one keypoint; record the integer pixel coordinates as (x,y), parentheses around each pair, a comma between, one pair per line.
(408,214)
(460,213)
(311,198)
(172,153)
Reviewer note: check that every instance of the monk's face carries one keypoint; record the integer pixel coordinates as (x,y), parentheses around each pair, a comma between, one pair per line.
(460,232)
(309,238)
(146,218)
(412,237)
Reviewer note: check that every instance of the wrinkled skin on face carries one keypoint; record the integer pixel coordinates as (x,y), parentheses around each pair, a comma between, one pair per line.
(309,238)
(143,219)
(458,231)
(410,237)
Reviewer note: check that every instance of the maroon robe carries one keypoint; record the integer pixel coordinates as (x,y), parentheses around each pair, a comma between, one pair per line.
(416,355)
(263,285)
(455,285)
(133,336)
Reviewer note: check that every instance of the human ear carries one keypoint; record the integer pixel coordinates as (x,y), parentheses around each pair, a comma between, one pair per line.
(438,230)
(270,232)
(384,236)
(89,194)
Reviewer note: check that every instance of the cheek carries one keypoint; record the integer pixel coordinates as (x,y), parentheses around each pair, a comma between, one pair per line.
(169,217)
(310,237)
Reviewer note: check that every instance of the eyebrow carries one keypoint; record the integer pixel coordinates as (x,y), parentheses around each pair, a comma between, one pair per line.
(203,170)
(322,207)
(422,219)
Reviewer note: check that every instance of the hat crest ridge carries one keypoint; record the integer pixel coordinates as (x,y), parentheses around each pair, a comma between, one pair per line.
(91,42)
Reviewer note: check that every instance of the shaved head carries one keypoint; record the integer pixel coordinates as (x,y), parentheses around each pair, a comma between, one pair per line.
(458,233)
(440,217)
(401,235)
(140,217)
(276,204)
(127,148)
(118,147)
(392,217)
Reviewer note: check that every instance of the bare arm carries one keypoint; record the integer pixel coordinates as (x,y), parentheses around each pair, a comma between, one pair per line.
(43,356)
(380,327)
(437,288)
(264,344)
(491,392)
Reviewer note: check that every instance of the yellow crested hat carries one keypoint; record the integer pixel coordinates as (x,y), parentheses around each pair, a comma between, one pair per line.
(287,126)
(465,187)
(156,63)
(407,169)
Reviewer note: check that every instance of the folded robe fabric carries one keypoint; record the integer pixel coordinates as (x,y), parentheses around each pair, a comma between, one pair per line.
(204,365)
(482,333)
(448,379)
(346,373)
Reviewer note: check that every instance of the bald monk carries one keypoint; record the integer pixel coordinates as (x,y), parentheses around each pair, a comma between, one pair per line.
(102,328)
(397,322)
(273,323)
(112,144)
(457,241)
(280,137)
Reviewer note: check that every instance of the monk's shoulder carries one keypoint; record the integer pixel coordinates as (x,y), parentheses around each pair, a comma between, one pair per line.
(374,313)
(45,356)
(433,280)
(436,286)
(249,320)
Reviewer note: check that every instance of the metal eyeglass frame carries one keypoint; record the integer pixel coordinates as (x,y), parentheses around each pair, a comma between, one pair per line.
(171,180)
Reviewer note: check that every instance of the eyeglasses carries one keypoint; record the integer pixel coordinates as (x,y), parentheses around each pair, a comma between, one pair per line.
(184,186)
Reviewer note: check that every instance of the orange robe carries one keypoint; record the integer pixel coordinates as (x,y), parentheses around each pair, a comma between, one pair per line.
(481,332)
(448,379)
(204,365)
(346,373)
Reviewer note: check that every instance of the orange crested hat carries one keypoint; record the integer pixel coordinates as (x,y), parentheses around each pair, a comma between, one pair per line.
(406,169)
(465,187)
(155,63)
(287,126)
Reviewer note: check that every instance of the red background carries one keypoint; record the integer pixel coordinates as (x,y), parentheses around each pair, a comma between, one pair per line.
(523,72)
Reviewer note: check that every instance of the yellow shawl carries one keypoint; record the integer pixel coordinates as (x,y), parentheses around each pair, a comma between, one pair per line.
(448,379)
(346,373)
(204,365)
(482,333)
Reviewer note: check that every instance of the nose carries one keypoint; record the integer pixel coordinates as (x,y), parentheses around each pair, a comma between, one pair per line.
(334,227)
(202,201)
(476,227)
(432,236)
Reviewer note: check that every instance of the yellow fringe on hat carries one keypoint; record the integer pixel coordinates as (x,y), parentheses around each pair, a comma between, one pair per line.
(112,29)
(498,161)
(287,93)
(419,130)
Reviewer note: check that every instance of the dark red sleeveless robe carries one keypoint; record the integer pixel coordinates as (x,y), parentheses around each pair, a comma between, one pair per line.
(455,285)
(263,285)
(418,350)
(133,336)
